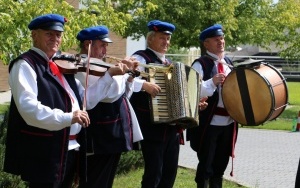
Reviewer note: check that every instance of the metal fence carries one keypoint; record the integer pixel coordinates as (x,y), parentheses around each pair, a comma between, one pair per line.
(290,69)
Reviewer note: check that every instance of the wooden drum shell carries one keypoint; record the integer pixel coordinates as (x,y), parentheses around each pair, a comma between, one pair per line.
(255,95)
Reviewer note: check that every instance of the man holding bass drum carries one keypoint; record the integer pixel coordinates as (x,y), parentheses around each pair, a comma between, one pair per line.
(215,137)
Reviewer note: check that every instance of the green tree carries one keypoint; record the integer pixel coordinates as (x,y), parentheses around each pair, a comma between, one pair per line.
(253,22)
(15,16)
(286,27)
(192,16)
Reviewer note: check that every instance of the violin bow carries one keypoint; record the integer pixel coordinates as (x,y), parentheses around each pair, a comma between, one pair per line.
(86,78)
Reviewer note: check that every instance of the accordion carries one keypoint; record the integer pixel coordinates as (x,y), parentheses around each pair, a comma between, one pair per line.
(177,103)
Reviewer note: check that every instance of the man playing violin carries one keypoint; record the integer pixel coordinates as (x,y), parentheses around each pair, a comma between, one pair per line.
(45,114)
(113,121)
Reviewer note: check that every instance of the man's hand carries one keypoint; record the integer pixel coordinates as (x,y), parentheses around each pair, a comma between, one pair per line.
(81,117)
(131,63)
(202,104)
(152,89)
(218,79)
(119,69)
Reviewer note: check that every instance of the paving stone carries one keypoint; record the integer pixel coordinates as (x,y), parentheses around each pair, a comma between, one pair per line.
(263,158)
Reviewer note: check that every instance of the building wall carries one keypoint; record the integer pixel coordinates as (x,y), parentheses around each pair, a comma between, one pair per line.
(74,3)
(134,45)
(118,47)
(4,77)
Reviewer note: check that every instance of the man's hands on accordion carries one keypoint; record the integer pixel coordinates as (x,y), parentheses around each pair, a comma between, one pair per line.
(151,88)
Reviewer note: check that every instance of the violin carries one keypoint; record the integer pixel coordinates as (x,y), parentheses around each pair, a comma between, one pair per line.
(73,63)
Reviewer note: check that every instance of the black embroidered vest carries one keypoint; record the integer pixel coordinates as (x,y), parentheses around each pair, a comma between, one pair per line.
(38,154)
(110,130)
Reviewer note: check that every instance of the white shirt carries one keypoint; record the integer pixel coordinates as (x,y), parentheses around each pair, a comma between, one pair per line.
(22,80)
(208,88)
(107,89)
(137,86)
(113,92)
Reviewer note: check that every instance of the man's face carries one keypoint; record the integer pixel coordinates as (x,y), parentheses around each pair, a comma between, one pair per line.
(48,41)
(159,42)
(98,49)
(215,45)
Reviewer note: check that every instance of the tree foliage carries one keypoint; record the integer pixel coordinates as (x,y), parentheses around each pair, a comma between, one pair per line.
(251,22)
(286,27)
(242,20)
(16,15)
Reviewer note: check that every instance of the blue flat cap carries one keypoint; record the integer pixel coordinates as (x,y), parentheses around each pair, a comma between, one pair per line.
(93,33)
(48,22)
(212,31)
(157,25)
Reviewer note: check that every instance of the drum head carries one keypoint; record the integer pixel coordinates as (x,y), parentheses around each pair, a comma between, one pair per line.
(248,100)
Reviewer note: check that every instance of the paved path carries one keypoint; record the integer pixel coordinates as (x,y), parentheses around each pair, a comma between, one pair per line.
(5,96)
(264,158)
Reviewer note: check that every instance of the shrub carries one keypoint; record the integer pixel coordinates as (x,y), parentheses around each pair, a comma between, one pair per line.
(7,180)
(129,161)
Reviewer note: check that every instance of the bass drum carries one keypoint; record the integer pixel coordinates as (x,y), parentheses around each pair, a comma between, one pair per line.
(255,94)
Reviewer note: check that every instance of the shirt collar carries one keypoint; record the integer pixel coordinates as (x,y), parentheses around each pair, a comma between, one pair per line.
(40,52)
(159,55)
(214,56)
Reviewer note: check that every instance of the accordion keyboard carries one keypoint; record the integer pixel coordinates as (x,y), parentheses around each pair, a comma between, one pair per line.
(160,103)
(177,103)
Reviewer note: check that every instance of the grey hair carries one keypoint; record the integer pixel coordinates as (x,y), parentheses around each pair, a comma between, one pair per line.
(149,35)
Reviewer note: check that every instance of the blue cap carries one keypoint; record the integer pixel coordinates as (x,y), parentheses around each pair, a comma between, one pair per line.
(212,31)
(93,33)
(157,25)
(48,22)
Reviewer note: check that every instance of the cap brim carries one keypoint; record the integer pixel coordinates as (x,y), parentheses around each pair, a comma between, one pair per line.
(219,33)
(55,28)
(216,33)
(167,32)
(106,40)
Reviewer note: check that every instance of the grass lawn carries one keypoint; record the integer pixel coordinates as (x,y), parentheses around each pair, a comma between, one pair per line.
(294,93)
(185,179)
(3,108)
